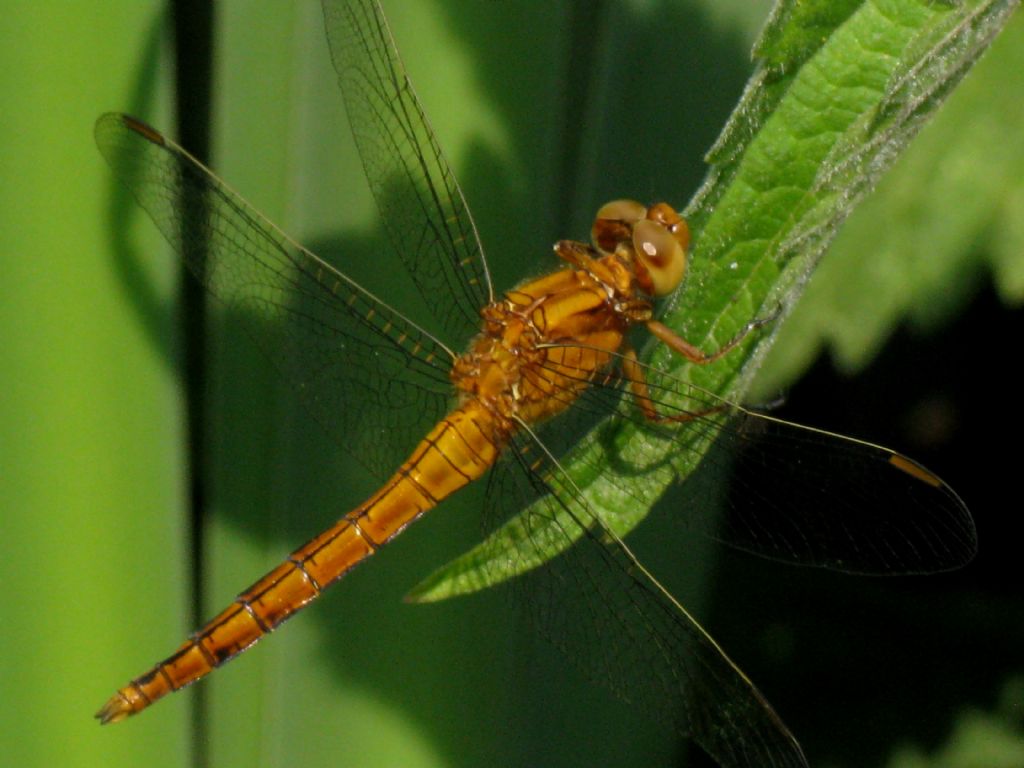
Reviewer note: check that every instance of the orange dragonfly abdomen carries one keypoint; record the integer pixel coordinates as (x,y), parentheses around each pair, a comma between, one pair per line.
(458,450)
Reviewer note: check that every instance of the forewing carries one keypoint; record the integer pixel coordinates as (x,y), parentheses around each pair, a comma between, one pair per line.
(369,375)
(419,199)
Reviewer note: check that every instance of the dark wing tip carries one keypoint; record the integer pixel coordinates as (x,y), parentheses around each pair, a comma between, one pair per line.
(915,470)
(112,120)
(958,520)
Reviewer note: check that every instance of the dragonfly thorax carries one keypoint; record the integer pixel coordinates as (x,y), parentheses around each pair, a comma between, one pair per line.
(547,340)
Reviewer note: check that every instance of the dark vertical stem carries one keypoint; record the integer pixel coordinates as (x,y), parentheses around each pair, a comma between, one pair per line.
(193,47)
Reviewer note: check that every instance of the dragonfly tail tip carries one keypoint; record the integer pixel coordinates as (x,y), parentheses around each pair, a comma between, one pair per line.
(115,710)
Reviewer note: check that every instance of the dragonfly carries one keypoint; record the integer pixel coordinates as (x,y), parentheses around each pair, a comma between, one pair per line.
(512,382)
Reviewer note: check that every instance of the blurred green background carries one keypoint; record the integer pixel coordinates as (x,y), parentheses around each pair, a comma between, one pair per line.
(545,109)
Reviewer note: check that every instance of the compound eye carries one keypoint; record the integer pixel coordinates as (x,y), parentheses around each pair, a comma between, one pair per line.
(666,215)
(622,210)
(613,223)
(660,254)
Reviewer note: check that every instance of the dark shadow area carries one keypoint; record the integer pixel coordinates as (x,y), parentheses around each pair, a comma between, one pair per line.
(858,666)
(636,96)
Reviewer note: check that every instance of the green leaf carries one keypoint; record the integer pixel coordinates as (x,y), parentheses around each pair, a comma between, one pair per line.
(994,739)
(946,215)
(839,92)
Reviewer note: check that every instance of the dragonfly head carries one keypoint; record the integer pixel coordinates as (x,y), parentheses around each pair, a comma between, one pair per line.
(652,241)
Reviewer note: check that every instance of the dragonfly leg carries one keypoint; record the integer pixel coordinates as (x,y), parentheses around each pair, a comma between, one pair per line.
(578,254)
(581,256)
(634,374)
(695,354)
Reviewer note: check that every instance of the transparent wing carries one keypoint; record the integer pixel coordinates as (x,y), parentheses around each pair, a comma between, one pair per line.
(620,628)
(369,375)
(419,199)
(790,492)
